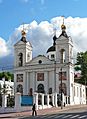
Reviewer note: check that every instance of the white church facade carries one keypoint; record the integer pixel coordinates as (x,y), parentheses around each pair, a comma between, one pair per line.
(49,75)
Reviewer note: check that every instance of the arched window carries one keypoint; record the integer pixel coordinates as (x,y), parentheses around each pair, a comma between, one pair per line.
(64,90)
(62,56)
(20,88)
(20,55)
(40,88)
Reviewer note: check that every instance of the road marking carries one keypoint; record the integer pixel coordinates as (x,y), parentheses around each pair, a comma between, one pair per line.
(52,116)
(67,116)
(74,116)
(59,116)
(82,117)
(44,116)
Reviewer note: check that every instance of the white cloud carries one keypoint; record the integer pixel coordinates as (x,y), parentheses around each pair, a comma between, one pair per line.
(4,51)
(40,35)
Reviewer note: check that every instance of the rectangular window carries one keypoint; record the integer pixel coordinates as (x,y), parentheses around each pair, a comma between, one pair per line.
(52,56)
(19,77)
(62,76)
(40,76)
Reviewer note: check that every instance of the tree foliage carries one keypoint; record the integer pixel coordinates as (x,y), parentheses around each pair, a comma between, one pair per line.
(8,76)
(82,61)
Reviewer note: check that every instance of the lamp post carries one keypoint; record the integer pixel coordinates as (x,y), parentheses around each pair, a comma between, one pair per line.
(55,75)
(61,90)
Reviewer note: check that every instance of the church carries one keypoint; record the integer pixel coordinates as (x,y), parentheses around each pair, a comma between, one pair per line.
(51,75)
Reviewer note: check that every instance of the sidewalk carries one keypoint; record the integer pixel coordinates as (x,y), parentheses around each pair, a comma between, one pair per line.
(39,112)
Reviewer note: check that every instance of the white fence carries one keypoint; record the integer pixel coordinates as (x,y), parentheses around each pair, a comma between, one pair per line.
(16,108)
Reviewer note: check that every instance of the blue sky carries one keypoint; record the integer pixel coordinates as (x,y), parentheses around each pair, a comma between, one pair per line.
(40,15)
(15,12)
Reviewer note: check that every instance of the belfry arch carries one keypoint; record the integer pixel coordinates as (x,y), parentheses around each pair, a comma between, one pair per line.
(62,55)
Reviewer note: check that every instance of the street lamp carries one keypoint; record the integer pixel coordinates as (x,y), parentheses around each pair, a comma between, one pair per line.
(61,90)
(61,78)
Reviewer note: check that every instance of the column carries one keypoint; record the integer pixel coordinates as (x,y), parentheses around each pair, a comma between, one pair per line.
(25,83)
(42,101)
(55,99)
(27,78)
(15,84)
(34,81)
(48,100)
(46,80)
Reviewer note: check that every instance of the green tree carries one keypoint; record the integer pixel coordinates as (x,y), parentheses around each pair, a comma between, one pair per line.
(7,75)
(82,61)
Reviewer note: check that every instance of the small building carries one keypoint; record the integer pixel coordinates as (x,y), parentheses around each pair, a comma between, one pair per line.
(49,74)
(6,87)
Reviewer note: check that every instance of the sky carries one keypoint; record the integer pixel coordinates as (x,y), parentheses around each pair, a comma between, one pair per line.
(39,18)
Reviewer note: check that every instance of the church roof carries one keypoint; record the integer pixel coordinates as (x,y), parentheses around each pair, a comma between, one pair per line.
(64,34)
(63,28)
(23,39)
(52,48)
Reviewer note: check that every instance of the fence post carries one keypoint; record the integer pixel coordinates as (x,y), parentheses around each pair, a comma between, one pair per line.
(18,101)
(4,100)
(55,99)
(35,100)
(48,100)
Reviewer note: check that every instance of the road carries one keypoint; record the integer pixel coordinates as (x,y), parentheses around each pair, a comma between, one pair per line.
(68,114)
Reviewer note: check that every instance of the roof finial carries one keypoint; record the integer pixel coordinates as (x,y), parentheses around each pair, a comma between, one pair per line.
(63,27)
(23,33)
(54,37)
(54,31)
(63,19)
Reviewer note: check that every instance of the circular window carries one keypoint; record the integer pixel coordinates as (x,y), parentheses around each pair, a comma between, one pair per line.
(40,61)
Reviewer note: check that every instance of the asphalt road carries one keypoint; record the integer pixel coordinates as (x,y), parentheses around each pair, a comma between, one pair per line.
(68,114)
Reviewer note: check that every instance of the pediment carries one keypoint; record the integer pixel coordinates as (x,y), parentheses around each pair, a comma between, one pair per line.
(62,38)
(40,59)
(19,43)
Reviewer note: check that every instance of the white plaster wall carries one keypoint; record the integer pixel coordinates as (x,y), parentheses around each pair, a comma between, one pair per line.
(46,85)
(51,80)
(79,98)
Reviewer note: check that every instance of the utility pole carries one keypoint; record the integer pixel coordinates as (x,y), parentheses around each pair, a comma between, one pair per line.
(61,90)
(55,75)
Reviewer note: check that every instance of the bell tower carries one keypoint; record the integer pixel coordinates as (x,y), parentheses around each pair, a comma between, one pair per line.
(22,51)
(64,55)
(64,47)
